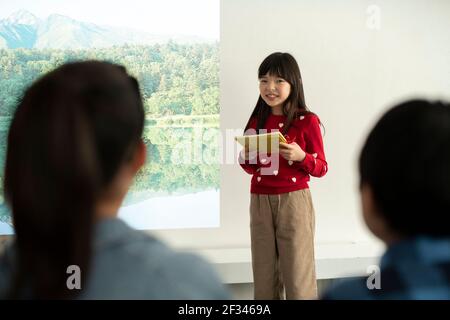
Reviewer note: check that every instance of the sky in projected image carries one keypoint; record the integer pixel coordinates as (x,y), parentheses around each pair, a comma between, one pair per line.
(193,17)
(172,48)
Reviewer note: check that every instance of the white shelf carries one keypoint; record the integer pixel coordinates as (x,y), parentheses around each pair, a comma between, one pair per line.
(333,260)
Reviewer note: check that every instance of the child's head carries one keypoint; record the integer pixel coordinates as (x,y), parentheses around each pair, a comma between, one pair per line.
(281,66)
(281,89)
(72,132)
(404,171)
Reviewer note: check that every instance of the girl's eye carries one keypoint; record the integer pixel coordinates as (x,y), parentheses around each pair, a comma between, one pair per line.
(280,80)
(263,81)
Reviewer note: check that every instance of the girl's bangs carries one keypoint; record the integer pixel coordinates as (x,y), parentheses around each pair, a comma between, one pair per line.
(272,67)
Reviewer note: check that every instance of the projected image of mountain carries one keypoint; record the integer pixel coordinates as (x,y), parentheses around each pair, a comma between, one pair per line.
(22,29)
(177,67)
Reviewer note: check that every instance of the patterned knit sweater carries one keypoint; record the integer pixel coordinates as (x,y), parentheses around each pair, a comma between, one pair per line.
(272,174)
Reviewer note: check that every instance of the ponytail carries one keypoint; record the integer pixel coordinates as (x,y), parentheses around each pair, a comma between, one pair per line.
(66,142)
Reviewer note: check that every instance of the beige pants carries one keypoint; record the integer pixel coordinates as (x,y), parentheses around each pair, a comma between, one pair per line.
(282,240)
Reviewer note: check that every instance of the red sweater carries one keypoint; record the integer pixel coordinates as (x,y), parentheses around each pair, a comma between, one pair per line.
(288,176)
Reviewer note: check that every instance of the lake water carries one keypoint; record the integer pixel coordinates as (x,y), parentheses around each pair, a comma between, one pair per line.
(195,210)
(5,228)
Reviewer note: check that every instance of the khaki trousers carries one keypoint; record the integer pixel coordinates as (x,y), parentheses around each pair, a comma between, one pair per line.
(282,242)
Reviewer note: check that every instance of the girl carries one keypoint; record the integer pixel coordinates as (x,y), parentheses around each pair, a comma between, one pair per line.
(281,210)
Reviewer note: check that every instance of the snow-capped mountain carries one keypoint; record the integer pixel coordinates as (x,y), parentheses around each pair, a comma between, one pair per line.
(22,29)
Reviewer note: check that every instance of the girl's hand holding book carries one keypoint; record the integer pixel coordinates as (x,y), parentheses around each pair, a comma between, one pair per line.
(292,151)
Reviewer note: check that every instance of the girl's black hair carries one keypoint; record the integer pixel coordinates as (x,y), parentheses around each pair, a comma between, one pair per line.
(285,66)
(71,132)
(406,162)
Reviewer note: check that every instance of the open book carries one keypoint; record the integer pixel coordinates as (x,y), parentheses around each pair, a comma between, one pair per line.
(263,143)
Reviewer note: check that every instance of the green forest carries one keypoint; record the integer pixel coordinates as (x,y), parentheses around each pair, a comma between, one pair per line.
(180,88)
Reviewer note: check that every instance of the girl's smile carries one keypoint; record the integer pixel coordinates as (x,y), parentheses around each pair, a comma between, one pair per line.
(271,96)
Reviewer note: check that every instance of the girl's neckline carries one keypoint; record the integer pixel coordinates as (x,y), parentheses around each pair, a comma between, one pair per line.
(277,115)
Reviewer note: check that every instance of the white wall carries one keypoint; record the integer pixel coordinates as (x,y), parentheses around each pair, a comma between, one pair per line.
(352,72)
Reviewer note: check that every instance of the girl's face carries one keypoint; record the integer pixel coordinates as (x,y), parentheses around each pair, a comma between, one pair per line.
(274,91)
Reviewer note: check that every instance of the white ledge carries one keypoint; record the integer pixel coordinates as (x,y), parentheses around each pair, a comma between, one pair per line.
(333,260)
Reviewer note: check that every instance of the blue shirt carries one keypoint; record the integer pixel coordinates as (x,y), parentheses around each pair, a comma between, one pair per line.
(412,269)
(130,264)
